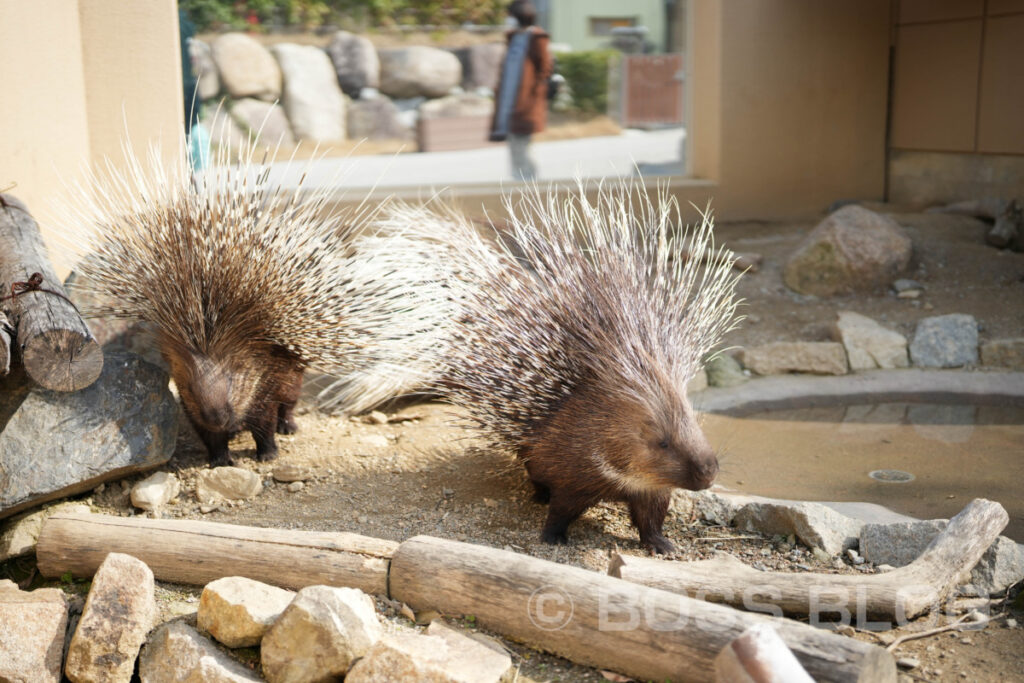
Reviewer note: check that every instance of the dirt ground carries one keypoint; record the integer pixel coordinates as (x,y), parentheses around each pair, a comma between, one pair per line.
(426,477)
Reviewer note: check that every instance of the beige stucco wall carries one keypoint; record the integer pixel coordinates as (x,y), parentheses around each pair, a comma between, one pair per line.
(77,74)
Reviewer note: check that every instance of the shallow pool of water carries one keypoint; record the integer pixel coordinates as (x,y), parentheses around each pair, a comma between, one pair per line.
(952,454)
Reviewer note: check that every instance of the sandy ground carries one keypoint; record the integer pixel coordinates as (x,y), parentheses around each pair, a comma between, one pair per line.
(430,478)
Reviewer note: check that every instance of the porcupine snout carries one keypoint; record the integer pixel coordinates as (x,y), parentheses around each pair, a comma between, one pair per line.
(699,460)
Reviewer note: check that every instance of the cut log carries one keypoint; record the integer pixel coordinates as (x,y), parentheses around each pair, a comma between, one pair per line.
(195,552)
(601,621)
(759,656)
(57,349)
(893,597)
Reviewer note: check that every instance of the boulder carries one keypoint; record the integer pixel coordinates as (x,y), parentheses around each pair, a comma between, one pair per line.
(227,483)
(32,628)
(376,119)
(155,491)
(852,250)
(204,68)
(246,68)
(819,358)
(418,71)
(119,611)
(312,98)
(725,371)
(355,62)
(319,635)
(816,525)
(1004,353)
(265,122)
(481,65)
(177,653)
(945,341)
(56,444)
(19,534)
(868,344)
(466,104)
(237,611)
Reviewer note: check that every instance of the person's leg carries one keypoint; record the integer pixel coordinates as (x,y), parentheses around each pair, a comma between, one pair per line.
(522,166)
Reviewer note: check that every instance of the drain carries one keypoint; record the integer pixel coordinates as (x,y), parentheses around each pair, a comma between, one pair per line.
(891,476)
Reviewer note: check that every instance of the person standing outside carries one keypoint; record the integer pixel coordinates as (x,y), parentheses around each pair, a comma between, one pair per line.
(521,104)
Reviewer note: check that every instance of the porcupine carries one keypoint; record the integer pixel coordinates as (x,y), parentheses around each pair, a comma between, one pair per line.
(577,337)
(247,281)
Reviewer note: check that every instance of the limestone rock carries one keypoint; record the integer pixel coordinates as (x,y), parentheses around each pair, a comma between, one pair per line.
(442,656)
(376,119)
(868,344)
(204,69)
(481,65)
(288,472)
(177,653)
(119,612)
(466,104)
(57,444)
(355,62)
(237,611)
(265,122)
(312,98)
(32,628)
(227,483)
(853,249)
(155,491)
(19,534)
(418,71)
(1004,353)
(816,525)
(725,371)
(1000,567)
(945,341)
(319,635)
(246,68)
(819,358)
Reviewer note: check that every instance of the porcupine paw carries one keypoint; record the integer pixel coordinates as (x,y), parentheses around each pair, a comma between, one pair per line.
(267,454)
(658,544)
(554,537)
(287,426)
(221,460)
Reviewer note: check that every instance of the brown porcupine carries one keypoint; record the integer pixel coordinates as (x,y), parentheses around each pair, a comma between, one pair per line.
(246,281)
(576,340)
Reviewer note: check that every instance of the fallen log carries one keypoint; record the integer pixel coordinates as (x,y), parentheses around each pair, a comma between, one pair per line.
(57,349)
(601,621)
(196,552)
(894,597)
(759,656)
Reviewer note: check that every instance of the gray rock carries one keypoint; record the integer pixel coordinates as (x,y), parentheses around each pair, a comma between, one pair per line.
(819,358)
(708,505)
(852,250)
(376,119)
(725,371)
(264,122)
(32,628)
(319,635)
(698,383)
(246,68)
(227,483)
(904,285)
(945,341)
(19,534)
(868,344)
(204,68)
(481,65)
(457,105)
(237,611)
(119,611)
(155,491)
(418,71)
(1004,353)
(57,444)
(355,62)
(816,525)
(901,543)
(312,99)
(177,653)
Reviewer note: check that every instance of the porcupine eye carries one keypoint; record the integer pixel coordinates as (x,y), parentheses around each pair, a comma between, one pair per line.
(663,444)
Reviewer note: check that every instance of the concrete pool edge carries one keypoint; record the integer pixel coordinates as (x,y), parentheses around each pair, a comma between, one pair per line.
(780,392)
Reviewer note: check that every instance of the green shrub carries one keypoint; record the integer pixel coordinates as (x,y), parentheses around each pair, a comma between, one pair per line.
(586,73)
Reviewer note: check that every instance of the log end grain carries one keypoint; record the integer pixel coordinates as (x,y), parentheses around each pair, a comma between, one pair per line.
(63,360)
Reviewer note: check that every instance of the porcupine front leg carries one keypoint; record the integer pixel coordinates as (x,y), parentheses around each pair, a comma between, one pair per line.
(563,509)
(288,396)
(216,445)
(648,513)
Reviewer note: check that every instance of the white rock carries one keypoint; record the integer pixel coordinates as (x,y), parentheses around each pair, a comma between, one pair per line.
(288,472)
(820,358)
(32,626)
(237,611)
(418,71)
(119,612)
(319,635)
(296,486)
(869,345)
(266,121)
(155,491)
(177,653)
(227,483)
(246,68)
(204,69)
(312,99)
(816,525)
(19,534)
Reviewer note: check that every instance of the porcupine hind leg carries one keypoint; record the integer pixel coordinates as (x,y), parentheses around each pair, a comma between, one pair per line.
(262,423)
(648,511)
(563,509)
